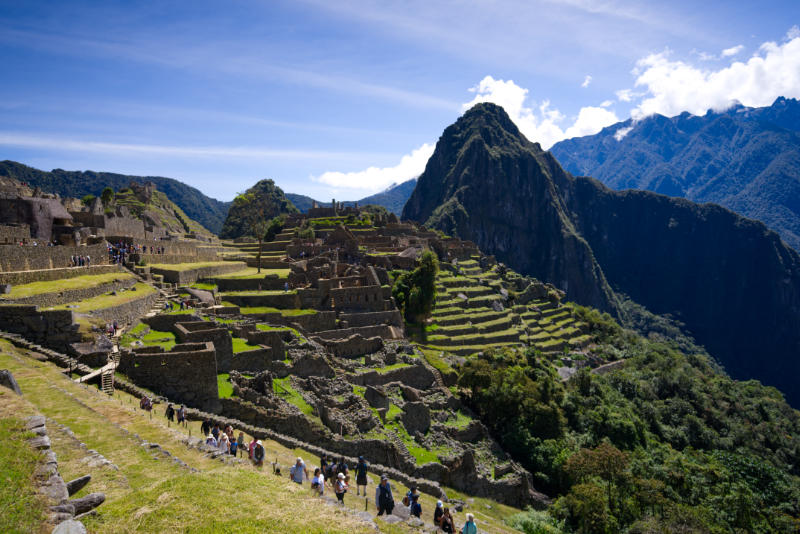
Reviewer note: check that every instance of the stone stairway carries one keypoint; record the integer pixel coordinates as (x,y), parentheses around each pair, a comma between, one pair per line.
(107,382)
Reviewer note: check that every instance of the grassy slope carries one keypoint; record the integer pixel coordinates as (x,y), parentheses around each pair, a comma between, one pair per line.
(102,302)
(188,266)
(148,495)
(55,286)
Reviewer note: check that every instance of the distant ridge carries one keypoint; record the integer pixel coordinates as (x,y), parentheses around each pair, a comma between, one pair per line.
(746,159)
(733,282)
(393,198)
(208,211)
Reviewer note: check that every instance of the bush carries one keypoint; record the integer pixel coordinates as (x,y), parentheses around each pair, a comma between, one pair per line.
(535,522)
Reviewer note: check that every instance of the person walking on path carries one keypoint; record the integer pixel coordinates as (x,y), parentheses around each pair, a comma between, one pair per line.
(341,488)
(416,508)
(383,496)
(224,443)
(361,475)
(298,470)
(447,526)
(259,453)
(318,482)
(205,428)
(240,443)
(469,527)
(182,415)
(170,412)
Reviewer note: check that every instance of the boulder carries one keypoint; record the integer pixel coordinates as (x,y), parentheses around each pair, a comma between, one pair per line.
(376,397)
(313,365)
(8,380)
(416,417)
(5,289)
(410,394)
(91,501)
(70,527)
(74,486)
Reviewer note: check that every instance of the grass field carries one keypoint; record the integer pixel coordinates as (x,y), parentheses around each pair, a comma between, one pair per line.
(102,302)
(153,494)
(252,273)
(189,266)
(65,284)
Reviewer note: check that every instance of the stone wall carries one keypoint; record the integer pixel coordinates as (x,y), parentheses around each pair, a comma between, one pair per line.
(416,376)
(165,322)
(128,312)
(251,361)
(368,298)
(382,331)
(51,328)
(186,374)
(190,276)
(212,332)
(289,300)
(73,295)
(13,234)
(26,258)
(250,284)
(46,275)
(352,346)
(392,317)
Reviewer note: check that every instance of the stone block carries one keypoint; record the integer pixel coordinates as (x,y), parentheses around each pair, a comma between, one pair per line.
(8,380)
(416,417)
(376,397)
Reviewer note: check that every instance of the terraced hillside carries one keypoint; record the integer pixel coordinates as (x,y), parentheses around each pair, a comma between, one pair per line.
(477,309)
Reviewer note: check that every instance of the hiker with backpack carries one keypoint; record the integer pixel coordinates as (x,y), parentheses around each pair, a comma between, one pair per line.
(416,508)
(469,527)
(361,475)
(383,496)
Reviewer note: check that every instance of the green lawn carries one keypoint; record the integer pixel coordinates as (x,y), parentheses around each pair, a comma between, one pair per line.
(21,509)
(283,388)
(241,345)
(65,284)
(102,302)
(252,273)
(224,386)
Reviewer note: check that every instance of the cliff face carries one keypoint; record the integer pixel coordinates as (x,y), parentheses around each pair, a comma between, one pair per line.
(746,159)
(733,282)
(485,182)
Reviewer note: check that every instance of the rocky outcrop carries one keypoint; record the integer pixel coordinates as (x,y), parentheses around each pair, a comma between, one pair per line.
(8,380)
(733,283)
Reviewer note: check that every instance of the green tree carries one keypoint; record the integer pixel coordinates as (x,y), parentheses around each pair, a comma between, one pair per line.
(604,461)
(107,196)
(415,292)
(88,199)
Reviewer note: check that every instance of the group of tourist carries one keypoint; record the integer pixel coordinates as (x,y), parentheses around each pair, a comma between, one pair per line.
(80,261)
(112,328)
(223,439)
(331,474)
(146,403)
(170,413)
(117,252)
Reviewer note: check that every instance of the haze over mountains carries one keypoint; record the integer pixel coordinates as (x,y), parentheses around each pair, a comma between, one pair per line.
(733,282)
(746,159)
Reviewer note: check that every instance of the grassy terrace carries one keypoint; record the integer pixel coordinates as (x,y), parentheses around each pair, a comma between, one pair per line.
(241,345)
(252,273)
(148,492)
(258,293)
(102,302)
(177,267)
(66,284)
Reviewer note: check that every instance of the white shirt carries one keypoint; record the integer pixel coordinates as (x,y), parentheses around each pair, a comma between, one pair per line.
(320,479)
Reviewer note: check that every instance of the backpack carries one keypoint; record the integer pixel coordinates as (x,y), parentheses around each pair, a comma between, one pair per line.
(405,500)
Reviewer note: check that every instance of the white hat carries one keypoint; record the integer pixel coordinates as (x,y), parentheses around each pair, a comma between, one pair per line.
(341,475)
(300,460)
(439,504)
(258,442)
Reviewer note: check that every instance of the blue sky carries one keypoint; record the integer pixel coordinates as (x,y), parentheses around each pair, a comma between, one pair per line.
(340,99)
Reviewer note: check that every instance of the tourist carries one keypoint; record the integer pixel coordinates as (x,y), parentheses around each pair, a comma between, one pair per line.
(233,446)
(240,443)
(229,431)
(215,430)
(447,525)
(298,470)
(224,443)
(88,261)
(384,500)
(323,464)
(469,527)
(361,475)
(259,453)
(251,447)
(286,287)
(205,427)
(169,413)
(182,415)
(318,482)
(341,488)
(341,467)
(211,441)
(438,513)
(416,508)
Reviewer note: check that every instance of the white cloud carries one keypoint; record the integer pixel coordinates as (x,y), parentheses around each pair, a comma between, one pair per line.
(376,179)
(606,103)
(622,132)
(625,95)
(539,123)
(586,81)
(793,33)
(732,51)
(672,86)
(248,152)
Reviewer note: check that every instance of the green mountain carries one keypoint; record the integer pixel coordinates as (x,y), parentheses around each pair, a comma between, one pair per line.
(207,211)
(746,159)
(265,197)
(730,280)
(393,198)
